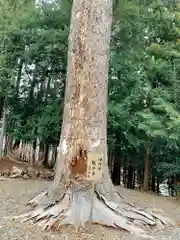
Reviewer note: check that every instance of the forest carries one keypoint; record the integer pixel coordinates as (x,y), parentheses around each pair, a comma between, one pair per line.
(144,87)
(89,91)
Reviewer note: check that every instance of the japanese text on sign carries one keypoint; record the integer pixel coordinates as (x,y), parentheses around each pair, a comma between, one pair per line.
(94,166)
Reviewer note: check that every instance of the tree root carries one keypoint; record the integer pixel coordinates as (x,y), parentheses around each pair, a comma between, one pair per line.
(74,209)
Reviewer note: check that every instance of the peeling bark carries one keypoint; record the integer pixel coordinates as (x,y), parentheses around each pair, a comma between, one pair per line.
(84,121)
(84,129)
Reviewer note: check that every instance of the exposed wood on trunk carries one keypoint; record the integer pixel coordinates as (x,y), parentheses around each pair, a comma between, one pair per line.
(84,121)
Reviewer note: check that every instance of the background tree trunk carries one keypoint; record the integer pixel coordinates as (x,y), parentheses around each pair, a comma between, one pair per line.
(2,131)
(3,127)
(116,174)
(153,184)
(146,172)
(157,188)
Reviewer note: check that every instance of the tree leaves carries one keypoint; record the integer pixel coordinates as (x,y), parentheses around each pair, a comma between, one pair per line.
(144,73)
(142,105)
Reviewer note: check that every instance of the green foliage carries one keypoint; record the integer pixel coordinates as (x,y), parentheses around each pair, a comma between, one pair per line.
(169,169)
(144,85)
(36,49)
(144,75)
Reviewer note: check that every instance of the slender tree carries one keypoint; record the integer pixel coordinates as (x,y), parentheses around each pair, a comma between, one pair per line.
(3,126)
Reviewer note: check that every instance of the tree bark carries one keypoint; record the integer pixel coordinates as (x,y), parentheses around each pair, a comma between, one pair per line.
(130,176)
(19,74)
(84,130)
(3,127)
(2,99)
(46,152)
(9,142)
(116,174)
(2,131)
(134,179)
(157,188)
(153,184)
(41,153)
(125,171)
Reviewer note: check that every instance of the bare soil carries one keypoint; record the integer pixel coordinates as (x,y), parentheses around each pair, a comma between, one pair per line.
(14,194)
(7,163)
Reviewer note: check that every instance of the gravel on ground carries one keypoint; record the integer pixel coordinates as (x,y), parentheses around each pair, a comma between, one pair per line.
(14,195)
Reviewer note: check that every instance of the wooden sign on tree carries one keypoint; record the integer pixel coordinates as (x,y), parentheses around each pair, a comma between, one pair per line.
(94,166)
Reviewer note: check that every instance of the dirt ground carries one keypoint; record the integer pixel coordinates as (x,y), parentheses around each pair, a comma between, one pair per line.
(14,194)
(7,163)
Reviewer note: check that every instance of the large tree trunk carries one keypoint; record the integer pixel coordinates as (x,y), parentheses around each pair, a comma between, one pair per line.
(84,130)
